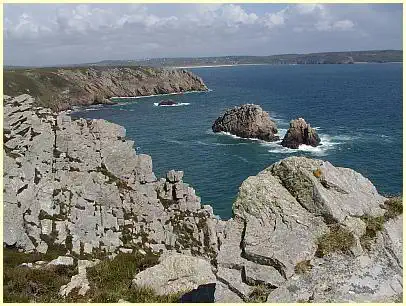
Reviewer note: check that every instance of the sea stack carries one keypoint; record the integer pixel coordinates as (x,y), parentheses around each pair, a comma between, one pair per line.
(247,121)
(300,132)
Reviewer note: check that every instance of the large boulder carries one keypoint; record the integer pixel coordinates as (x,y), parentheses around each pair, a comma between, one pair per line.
(247,121)
(176,273)
(299,133)
(287,213)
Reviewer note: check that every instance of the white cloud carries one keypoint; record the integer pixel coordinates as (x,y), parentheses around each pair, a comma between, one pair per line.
(234,14)
(344,25)
(80,33)
(275,19)
(307,17)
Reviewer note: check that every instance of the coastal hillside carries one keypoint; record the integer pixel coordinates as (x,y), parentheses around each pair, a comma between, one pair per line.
(87,220)
(342,57)
(62,88)
(345,57)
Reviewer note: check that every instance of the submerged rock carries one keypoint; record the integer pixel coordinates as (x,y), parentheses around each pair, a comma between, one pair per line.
(299,133)
(247,121)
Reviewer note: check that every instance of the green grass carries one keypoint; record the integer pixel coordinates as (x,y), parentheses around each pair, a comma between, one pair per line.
(109,281)
(394,207)
(121,184)
(303,267)
(373,226)
(337,240)
(22,284)
(259,294)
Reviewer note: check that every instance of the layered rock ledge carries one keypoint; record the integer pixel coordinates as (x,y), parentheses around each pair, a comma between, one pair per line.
(302,230)
(247,121)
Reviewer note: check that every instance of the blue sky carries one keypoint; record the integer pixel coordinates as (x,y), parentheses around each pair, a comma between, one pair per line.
(50,34)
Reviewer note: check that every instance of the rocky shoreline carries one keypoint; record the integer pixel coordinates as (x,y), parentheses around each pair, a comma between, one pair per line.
(62,88)
(302,230)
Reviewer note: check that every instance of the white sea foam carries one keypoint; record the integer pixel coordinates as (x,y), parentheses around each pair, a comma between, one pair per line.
(326,141)
(90,109)
(178,104)
(238,137)
(174,141)
(241,158)
(202,143)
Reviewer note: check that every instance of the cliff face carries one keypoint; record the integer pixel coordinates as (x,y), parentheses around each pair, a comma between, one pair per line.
(80,185)
(60,89)
(303,230)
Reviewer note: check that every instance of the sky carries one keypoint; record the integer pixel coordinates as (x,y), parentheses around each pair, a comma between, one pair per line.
(60,34)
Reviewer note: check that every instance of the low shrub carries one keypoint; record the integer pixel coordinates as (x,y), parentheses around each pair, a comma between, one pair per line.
(337,240)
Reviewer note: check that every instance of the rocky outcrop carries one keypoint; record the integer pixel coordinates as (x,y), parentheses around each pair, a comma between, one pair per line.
(300,132)
(287,213)
(176,273)
(247,121)
(302,230)
(60,89)
(78,184)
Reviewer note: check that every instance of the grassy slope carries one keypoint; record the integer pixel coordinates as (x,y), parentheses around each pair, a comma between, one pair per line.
(53,90)
(43,84)
(109,281)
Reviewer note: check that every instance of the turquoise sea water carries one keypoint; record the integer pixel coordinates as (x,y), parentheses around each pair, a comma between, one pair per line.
(357,110)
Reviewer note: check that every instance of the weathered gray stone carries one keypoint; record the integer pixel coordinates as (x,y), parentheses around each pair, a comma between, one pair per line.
(62,261)
(176,273)
(233,279)
(224,295)
(343,279)
(46,226)
(260,274)
(174,176)
(79,280)
(279,231)
(229,255)
(392,234)
(336,192)
(42,247)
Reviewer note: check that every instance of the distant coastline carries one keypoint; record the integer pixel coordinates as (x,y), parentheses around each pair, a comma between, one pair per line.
(343,57)
(220,65)
(265,64)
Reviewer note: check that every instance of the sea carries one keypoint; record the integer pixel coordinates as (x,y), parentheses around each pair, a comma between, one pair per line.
(356,109)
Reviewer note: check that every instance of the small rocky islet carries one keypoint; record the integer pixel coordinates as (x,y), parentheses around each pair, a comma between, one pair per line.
(247,121)
(78,198)
(251,121)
